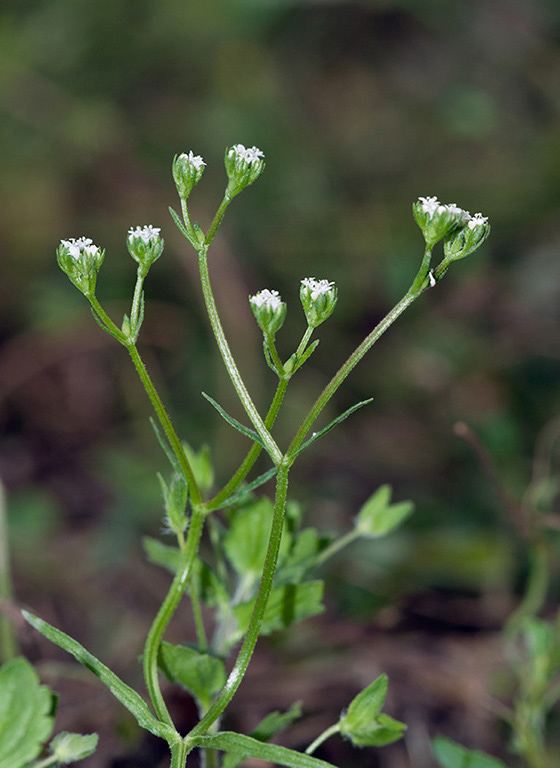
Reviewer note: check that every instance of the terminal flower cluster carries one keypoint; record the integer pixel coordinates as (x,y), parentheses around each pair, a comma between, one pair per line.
(269,311)
(318,298)
(81,260)
(145,245)
(244,165)
(187,171)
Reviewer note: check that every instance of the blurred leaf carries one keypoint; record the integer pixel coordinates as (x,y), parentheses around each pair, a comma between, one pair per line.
(265,730)
(286,605)
(201,674)
(363,721)
(167,556)
(201,465)
(452,755)
(69,747)
(26,707)
(378,516)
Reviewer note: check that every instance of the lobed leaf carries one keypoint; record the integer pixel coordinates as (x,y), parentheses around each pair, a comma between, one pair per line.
(26,709)
(378,516)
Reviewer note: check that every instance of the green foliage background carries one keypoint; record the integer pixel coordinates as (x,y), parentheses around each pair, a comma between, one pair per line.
(360,108)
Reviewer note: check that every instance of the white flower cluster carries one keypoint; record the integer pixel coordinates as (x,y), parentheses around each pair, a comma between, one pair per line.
(83,245)
(195,160)
(250,154)
(317,287)
(146,233)
(266,298)
(432,206)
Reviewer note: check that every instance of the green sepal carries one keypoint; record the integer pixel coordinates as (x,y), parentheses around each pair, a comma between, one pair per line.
(269,726)
(199,673)
(334,422)
(365,724)
(378,516)
(128,697)
(286,605)
(250,433)
(70,747)
(449,754)
(246,746)
(26,713)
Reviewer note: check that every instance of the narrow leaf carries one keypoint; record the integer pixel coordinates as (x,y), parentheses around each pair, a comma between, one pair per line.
(177,220)
(120,690)
(26,720)
(334,422)
(116,335)
(265,730)
(241,494)
(246,746)
(162,440)
(250,433)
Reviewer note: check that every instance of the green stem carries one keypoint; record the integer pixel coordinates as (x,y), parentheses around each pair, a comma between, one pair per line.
(179,753)
(199,624)
(250,640)
(304,341)
(337,545)
(165,421)
(217,219)
(254,451)
(45,762)
(321,738)
(136,299)
(8,642)
(250,408)
(104,317)
(348,366)
(166,611)
(538,579)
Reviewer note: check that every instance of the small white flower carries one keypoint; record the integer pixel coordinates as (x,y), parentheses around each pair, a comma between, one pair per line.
(195,160)
(82,245)
(146,233)
(317,287)
(477,221)
(430,205)
(250,155)
(266,298)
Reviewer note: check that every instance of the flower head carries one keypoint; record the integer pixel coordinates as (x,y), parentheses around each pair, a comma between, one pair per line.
(318,298)
(437,220)
(244,165)
(468,238)
(145,245)
(187,171)
(81,260)
(269,311)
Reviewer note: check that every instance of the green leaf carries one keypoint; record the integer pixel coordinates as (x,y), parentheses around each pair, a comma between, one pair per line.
(166,556)
(179,223)
(201,674)
(70,747)
(334,422)
(265,730)
(201,465)
(286,604)
(302,557)
(364,724)
(378,516)
(246,541)
(452,755)
(250,433)
(26,708)
(246,746)
(120,690)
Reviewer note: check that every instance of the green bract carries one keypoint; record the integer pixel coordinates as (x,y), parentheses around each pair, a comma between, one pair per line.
(318,298)
(81,260)
(187,171)
(464,241)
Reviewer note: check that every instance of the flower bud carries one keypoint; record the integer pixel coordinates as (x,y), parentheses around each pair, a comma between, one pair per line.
(145,245)
(81,260)
(269,310)
(463,242)
(187,171)
(318,298)
(243,167)
(437,220)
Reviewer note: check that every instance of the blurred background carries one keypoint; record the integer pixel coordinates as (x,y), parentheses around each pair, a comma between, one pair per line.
(360,107)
